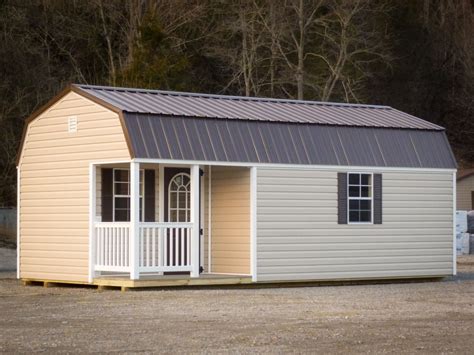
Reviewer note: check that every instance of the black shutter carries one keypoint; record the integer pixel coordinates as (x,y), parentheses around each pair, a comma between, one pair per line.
(149,195)
(342,198)
(107,181)
(377,198)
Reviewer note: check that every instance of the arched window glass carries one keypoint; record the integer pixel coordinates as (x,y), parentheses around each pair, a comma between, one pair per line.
(179,198)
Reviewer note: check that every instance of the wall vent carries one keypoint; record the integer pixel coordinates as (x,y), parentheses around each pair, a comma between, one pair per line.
(72,124)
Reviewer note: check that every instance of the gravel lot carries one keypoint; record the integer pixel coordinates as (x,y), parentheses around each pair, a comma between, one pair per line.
(430,317)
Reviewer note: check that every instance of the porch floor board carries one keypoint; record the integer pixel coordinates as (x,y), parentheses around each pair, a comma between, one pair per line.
(171,280)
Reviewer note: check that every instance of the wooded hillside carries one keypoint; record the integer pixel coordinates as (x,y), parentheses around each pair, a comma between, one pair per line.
(414,55)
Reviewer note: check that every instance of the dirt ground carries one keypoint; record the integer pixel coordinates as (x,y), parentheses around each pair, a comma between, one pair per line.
(430,317)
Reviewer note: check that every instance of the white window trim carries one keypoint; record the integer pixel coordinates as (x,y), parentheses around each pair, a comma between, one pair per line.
(371,198)
(142,195)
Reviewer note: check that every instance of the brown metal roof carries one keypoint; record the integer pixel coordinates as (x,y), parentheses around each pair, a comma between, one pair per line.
(253,130)
(206,139)
(254,109)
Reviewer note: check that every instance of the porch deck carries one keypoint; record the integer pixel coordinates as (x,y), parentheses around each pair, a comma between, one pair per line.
(125,282)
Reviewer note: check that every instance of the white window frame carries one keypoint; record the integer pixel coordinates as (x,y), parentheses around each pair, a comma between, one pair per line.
(142,191)
(371,198)
(187,208)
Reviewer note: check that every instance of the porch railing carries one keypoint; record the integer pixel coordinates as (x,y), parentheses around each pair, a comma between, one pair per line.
(112,246)
(163,247)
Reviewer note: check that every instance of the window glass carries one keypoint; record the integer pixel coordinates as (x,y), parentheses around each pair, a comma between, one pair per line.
(365,179)
(122,203)
(354,191)
(121,175)
(122,215)
(173,216)
(173,200)
(121,189)
(364,216)
(365,191)
(354,179)
(359,198)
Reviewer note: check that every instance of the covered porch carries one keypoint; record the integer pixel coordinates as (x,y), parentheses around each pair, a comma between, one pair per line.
(156,224)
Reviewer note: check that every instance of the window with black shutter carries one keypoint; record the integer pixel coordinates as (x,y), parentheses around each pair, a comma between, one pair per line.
(359,198)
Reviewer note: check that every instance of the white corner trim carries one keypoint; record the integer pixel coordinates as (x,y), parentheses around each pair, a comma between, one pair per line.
(18,244)
(454,225)
(201,220)
(161,193)
(209,229)
(253,223)
(195,221)
(92,212)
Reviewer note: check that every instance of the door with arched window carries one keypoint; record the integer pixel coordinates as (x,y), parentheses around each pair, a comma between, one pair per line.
(179,198)
(177,207)
(177,191)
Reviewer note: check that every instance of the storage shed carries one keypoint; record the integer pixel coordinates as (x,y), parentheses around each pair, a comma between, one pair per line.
(132,187)
(465,190)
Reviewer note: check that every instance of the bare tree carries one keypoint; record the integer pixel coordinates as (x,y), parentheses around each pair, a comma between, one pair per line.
(351,43)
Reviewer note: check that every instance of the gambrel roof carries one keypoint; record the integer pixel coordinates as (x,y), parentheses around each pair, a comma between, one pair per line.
(202,127)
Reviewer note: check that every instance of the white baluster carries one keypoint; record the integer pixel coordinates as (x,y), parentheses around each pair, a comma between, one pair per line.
(109,249)
(97,241)
(176,247)
(121,246)
(188,246)
(153,245)
(160,247)
(114,246)
(165,249)
(127,247)
(148,253)
(182,245)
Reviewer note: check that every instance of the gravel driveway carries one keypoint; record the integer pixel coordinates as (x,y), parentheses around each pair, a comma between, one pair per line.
(7,260)
(431,317)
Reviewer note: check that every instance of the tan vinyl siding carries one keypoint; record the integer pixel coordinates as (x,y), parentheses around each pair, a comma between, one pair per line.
(157,193)
(230,220)
(464,190)
(298,236)
(98,194)
(54,192)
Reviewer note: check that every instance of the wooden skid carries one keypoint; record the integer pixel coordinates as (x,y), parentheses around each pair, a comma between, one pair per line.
(125,284)
(171,282)
(105,283)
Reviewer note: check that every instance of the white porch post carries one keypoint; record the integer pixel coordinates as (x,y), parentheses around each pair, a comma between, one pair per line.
(134,219)
(92,218)
(253,223)
(195,220)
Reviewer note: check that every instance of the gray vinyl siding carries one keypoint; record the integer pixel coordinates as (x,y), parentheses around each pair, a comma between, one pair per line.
(298,235)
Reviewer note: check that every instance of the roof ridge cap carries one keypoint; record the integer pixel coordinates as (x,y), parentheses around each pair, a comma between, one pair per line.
(231,97)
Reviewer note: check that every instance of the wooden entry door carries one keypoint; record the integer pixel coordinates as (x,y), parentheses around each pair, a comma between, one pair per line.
(177,207)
